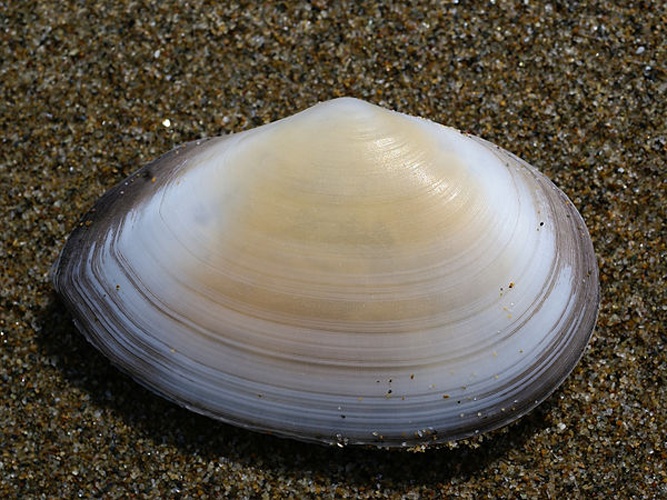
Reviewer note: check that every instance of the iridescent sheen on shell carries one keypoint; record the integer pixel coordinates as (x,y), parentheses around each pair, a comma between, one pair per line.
(348,275)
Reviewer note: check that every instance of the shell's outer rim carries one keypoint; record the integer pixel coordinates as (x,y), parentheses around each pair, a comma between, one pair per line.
(142,183)
(131,190)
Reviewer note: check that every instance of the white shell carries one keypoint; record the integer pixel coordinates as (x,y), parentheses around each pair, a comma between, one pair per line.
(345,275)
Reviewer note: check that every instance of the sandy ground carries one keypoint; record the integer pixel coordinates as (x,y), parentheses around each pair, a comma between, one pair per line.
(93,90)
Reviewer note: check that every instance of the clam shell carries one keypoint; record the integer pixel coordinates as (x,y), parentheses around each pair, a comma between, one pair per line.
(348,275)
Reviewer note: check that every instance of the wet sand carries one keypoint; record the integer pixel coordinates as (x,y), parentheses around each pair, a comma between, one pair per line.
(92,92)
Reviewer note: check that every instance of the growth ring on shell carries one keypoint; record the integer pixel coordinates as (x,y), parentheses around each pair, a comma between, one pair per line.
(348,275)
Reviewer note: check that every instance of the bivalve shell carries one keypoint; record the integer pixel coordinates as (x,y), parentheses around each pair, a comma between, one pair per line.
(348,275)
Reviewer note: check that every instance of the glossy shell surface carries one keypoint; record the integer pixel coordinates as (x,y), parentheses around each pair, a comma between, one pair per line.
(348,275)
